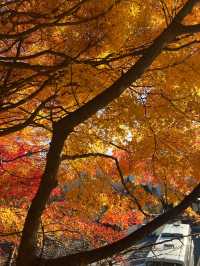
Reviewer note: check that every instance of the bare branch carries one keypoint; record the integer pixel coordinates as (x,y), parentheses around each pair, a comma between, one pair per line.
(27,122)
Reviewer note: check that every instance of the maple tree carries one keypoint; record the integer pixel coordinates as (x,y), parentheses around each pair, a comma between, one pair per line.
(91,75)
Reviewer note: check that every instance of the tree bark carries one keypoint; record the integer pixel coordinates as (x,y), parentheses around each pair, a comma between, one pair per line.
(27,248)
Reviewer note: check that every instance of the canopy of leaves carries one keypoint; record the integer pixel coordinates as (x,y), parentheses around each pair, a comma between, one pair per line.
(69,98)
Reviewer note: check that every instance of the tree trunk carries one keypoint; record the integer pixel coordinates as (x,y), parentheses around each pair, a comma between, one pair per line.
(27,248)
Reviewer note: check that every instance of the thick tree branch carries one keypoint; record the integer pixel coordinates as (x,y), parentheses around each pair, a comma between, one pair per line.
(190,28)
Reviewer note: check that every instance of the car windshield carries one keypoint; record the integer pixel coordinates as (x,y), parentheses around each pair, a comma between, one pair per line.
(161,263)
(171,235)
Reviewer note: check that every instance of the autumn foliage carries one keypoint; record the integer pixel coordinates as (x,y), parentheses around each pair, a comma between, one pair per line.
(99,120)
